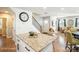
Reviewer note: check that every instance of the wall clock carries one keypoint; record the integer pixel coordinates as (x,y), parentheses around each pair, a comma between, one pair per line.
(70,22)
(23,16)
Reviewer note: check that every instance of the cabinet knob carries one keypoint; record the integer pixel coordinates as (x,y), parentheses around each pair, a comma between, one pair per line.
(27,48)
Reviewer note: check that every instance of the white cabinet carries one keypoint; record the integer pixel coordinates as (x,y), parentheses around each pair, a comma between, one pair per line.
(22,46)
(48,48)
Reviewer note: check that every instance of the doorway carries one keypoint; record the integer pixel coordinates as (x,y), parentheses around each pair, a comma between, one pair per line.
(46,24)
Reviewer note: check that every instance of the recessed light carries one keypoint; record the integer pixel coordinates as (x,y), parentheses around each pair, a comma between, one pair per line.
(62,9)
(44,7)
(46,21)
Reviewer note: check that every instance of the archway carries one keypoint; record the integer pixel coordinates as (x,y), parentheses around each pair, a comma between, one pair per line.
(6,23)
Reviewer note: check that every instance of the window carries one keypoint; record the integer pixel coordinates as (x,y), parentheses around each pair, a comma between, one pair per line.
(76,22)
(65,22)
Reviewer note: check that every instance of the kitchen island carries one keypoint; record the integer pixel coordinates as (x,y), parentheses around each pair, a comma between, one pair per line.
(41,43)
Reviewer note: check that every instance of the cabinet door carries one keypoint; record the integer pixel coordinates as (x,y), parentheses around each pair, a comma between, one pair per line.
(27,48)
(19,45)
(49,48)
(17,41)
(4,26)
(22,46)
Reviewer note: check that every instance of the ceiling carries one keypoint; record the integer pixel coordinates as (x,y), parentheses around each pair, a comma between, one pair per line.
(6,10)
(54,11)
(43,11)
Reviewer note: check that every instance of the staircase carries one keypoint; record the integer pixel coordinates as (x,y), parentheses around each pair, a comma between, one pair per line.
(36,24)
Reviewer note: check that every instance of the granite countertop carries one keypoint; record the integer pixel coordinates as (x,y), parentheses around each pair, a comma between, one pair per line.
(37,43)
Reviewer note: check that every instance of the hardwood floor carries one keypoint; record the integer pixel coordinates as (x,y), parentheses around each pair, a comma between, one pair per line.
(60,43)
(7,45)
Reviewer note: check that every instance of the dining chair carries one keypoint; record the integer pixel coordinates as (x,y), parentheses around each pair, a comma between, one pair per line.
(70,41)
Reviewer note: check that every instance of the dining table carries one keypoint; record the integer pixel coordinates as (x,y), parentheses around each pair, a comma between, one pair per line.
(76,34)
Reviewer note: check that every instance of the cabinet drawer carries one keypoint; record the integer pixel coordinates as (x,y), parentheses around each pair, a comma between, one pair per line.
(26,47)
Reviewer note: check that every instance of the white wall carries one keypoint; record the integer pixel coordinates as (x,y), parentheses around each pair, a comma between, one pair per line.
(39,19)
(23,27)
